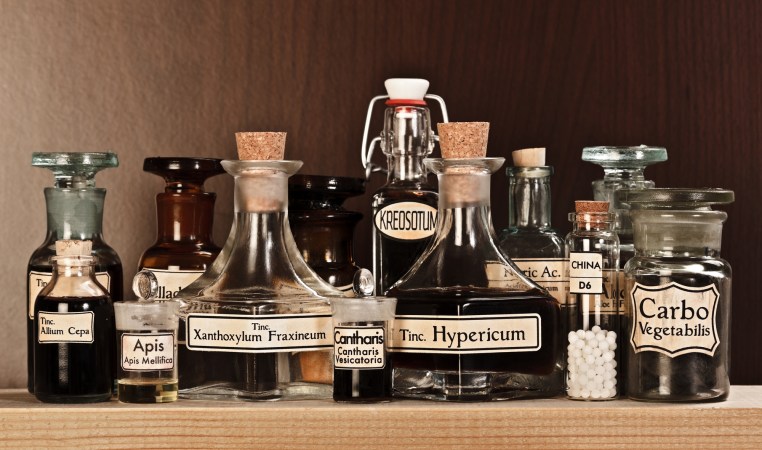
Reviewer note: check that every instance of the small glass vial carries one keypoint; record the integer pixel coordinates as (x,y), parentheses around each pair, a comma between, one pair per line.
(536,248)
(74,329)
(146,337)
(677,313)
(184,211)
(74,211)
(593,252)
(405,208)
(361,370)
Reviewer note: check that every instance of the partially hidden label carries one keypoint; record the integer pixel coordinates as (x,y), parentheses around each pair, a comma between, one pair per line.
(60,328)
(613,292)
(467,334)
(358,348)
(550,273)
(38,280)
(500,275)
(674,319)
(258,334)
(171,282)
(144,351)
(406,221)
(585,273)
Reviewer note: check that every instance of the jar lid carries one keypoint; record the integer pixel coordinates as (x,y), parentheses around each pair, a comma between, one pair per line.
(675,198)
(307,192)
(75,169)
(182,172)
(624,156)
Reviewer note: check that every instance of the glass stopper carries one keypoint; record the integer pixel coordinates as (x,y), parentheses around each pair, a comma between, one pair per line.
(145,285)
(364,283)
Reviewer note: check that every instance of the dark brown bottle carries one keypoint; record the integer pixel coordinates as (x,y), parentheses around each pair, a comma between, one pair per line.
(323,230)
(184,212)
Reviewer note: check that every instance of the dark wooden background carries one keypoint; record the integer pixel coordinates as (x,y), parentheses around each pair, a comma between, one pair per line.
(175,77)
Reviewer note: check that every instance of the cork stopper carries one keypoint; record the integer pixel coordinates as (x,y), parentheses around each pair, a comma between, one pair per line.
(261,146)
(529,157)
(589,206)
(70,247)
(463,139)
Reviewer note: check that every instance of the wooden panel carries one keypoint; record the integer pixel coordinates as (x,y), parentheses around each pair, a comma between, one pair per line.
(736,423)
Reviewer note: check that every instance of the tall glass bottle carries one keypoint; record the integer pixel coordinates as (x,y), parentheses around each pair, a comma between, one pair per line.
(405,208)
(258,331)
(74,211)
(470,326)
(74,356)
(184,248)
(530,242)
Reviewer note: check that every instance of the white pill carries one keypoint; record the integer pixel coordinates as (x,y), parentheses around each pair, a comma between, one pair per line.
(582,379)
(612,346)
(587,351)
(613,363)
(610,374)
(599,361)
(590,359)
(612,393)
(596,394)
(609,365)
(608,384)
(573,337)
(575,352)
(589,335)
(608,356)
(598,379)
(611,335)
(599,370)
(600,336)
(581,334)
(604,345)
(574,392)
(597,352)
(579,344)
(595,329)
(584,393)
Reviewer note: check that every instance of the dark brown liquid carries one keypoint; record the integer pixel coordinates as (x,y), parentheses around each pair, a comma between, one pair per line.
(115,291)
(373,385)
(394,257)
(76,372)
(448,302)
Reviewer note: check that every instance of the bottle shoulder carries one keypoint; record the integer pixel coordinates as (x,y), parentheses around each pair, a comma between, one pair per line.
(665,267)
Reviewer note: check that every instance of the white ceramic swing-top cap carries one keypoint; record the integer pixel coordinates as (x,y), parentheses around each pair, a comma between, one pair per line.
(406,88)
(70,247)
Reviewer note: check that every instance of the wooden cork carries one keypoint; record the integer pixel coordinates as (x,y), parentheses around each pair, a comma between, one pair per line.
(529,157)
(463,139)
(70,247)
(317,367)
(261,146)
(589,206)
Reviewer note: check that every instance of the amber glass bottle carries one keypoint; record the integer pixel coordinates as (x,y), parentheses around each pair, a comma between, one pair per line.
(184,247)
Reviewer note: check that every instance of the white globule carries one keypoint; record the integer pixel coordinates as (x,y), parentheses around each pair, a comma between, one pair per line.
(591,364)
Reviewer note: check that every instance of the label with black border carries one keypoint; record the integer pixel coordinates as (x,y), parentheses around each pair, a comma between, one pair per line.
(358,348)
(147,351)
(406,221)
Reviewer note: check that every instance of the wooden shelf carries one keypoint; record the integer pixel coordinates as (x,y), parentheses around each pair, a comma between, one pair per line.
(556,423)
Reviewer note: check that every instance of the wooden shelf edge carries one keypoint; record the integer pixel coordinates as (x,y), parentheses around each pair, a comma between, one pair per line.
(736,423)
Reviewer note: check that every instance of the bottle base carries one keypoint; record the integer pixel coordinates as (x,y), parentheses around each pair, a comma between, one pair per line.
(701,397)
(472,386)
(54,398)
(236,392)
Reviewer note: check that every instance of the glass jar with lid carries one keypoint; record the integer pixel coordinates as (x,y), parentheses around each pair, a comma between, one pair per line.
(677,313)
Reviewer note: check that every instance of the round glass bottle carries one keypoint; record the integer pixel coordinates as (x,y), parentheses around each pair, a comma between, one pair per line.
(677,314)
(322,228)
(256,293)
(74,211)
(184,211)
(469,325)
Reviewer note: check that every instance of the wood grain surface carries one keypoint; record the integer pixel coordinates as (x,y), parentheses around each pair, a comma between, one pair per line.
(148,78)
(555,423)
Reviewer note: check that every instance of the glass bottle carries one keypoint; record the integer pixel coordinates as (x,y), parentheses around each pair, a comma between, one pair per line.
(184,248)
(530,242)
(623,168)
(74,331)
(322,228)
(283,322)
(74,211)
(405,208)
(469,325)
(593,253)
(677,313)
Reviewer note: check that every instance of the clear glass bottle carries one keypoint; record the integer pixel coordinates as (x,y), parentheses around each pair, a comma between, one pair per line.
(592,340)
(74,345)
(322,228)
(623,168)
(405,208)
(184,211)
(74,211)
(677,313)
(469,325)
(257,331)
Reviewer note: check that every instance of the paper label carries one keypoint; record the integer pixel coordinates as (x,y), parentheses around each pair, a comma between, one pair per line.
(467,334)
(358,348)
(612,301)
(171,282)
(144,351)
(258,334)
(674,319)
(500,275)
(58,328)
(549,273)
(585,273)
(38,280)
(406,221)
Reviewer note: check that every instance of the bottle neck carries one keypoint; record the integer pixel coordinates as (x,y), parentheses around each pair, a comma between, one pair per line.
(185,217)
(325,240)
(465,213)
(75,213)
(406,167)
(529,202)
